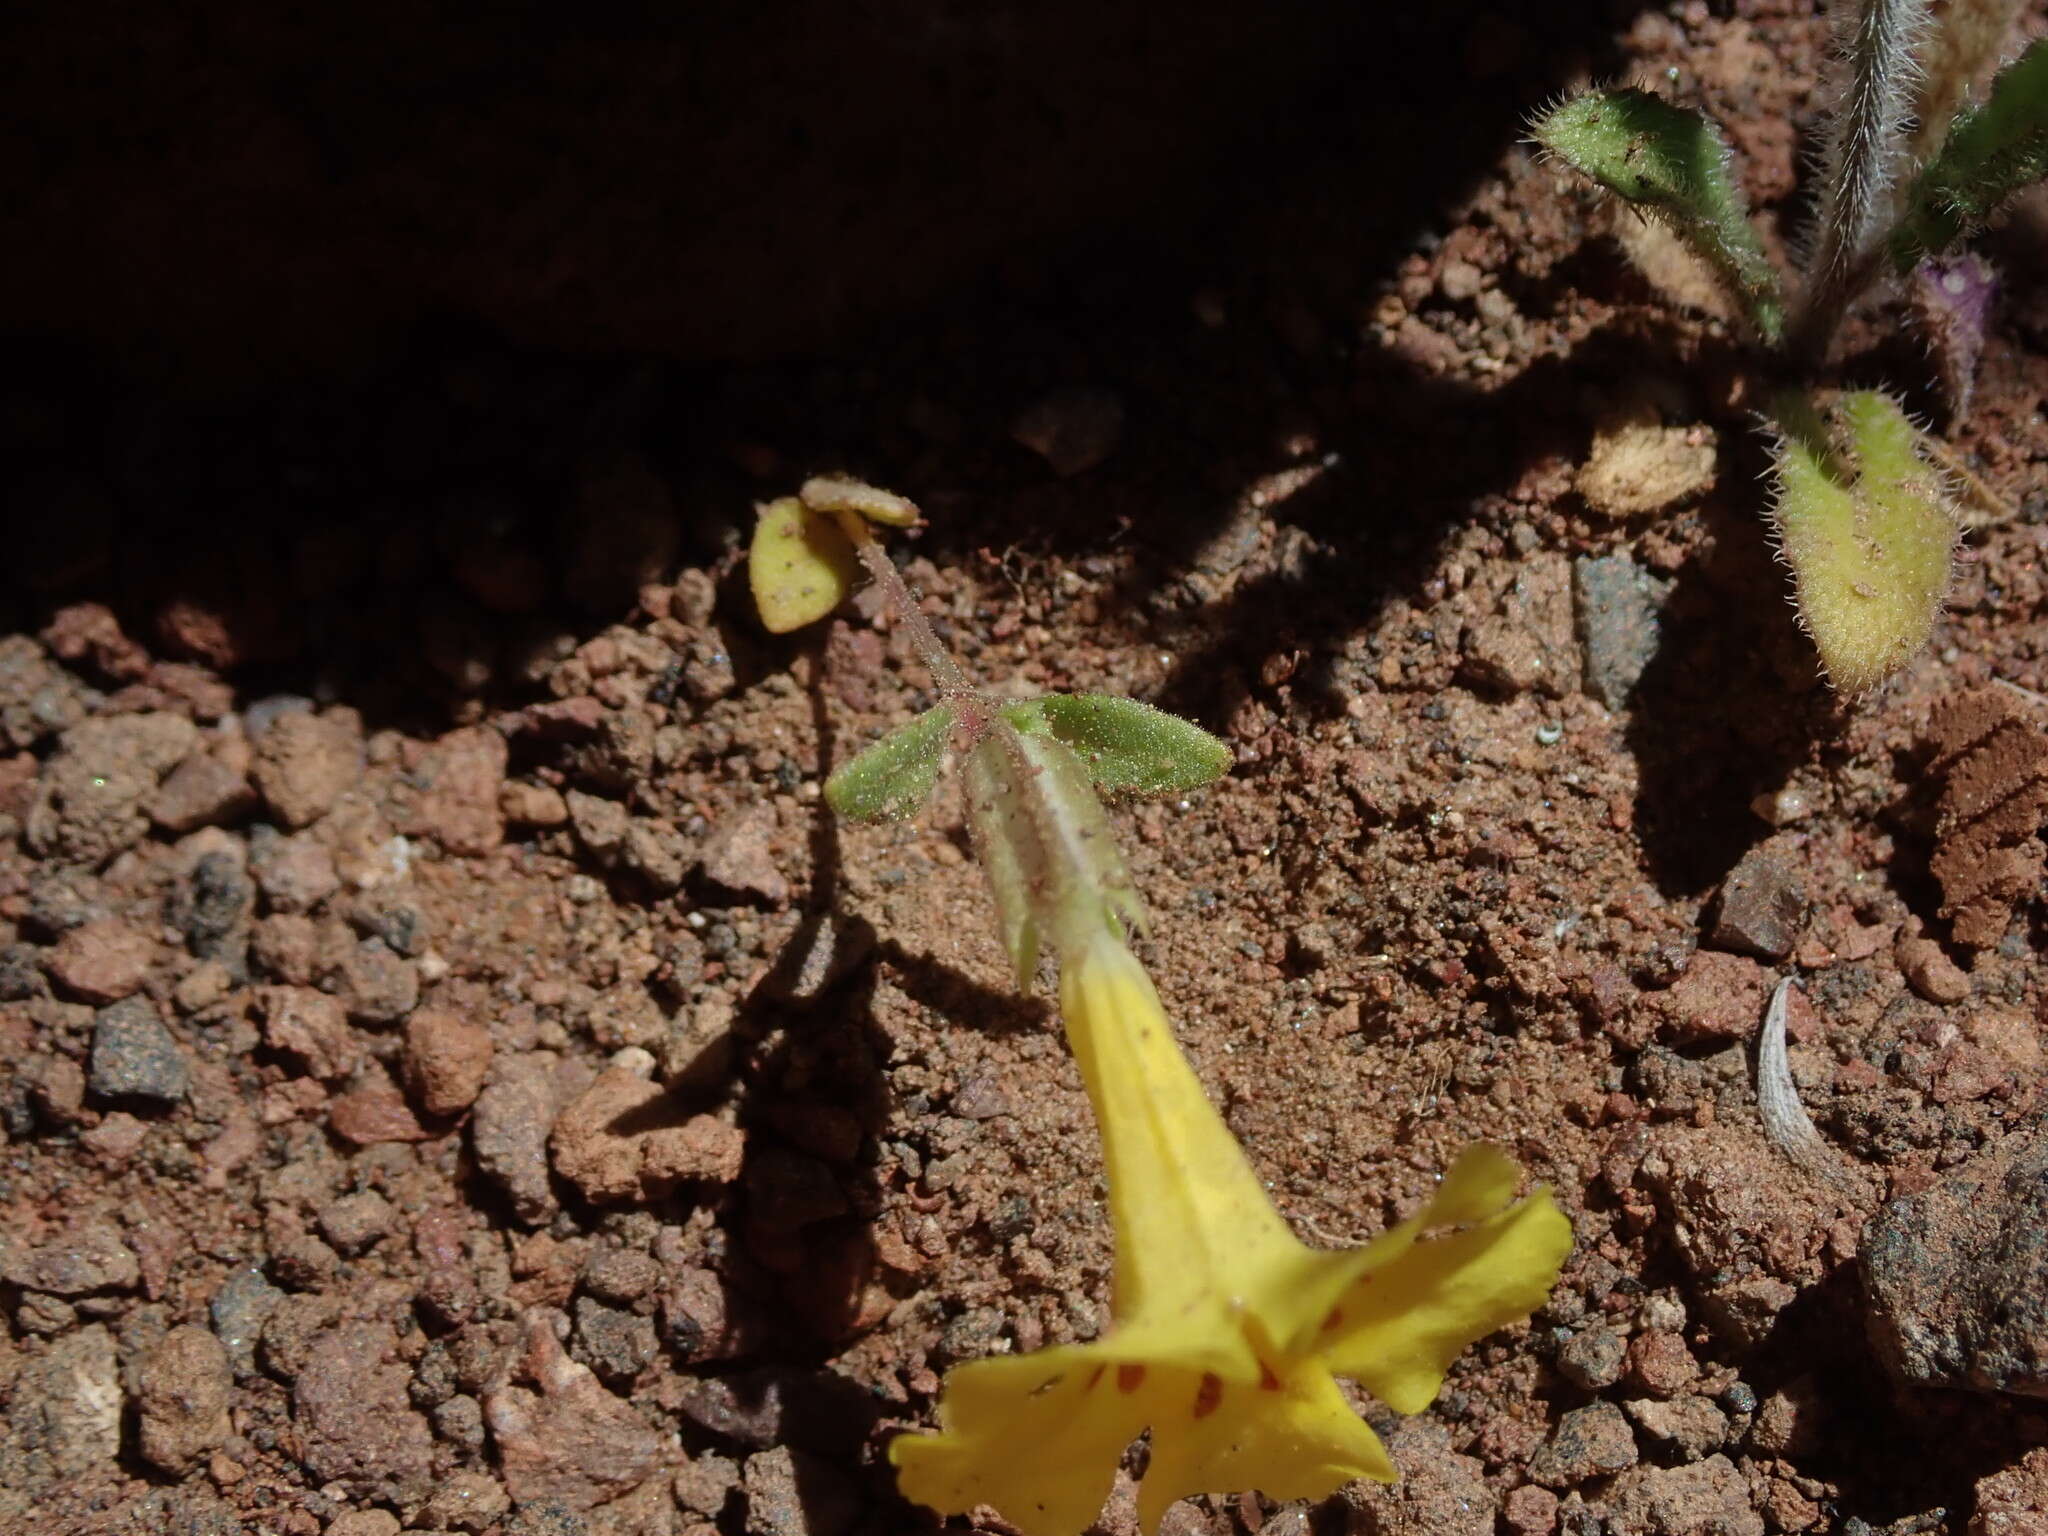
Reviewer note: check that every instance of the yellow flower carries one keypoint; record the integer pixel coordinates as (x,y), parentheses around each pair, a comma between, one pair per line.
(1229,1332)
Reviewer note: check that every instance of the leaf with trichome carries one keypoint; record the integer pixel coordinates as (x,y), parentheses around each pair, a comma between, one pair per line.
(1866,525)
(1991,152)
(892,778)
(1673,165)
(1128,748)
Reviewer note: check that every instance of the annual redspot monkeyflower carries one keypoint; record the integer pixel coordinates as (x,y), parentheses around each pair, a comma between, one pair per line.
(1228,1332)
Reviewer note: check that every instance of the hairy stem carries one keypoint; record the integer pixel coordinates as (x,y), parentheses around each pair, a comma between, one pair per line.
(950,680)
(1863,151)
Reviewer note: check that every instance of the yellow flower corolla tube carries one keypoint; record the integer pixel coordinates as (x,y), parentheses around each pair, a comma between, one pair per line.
(1229,1332)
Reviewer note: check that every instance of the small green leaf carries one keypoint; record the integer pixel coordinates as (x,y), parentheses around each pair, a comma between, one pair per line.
(800,563)
(1991,152)
(1128,748)
(891,779)
(1672,164)
(1866,525)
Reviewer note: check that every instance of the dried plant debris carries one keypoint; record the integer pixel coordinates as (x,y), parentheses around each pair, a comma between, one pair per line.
(1991,748)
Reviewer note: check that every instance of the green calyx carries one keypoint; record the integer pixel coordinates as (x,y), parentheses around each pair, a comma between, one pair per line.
(1673,165)
(1867,527)
(1991,152)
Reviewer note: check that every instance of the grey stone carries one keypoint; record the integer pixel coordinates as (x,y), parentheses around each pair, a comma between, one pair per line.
(135,1057)
(1616,604)
(238,1311)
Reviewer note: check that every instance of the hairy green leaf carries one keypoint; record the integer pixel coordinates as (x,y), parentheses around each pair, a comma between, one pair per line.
(1128,748)
(1991,152)
(891,779)
(1866,525)
(1672,164)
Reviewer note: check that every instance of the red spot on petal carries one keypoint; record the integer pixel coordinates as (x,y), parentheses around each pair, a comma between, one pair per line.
(1267,1380)
(1208,1394)
(1129,1377)
(1334,1320)
(1093,1377)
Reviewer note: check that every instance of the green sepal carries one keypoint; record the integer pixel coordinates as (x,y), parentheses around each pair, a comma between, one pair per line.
(1867,527)
(892,778)
(1052,861)
(1672,164)
(1128,748)
(1990,153)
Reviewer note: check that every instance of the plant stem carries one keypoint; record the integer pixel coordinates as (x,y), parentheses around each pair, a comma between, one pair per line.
(1863,149)
(947,675)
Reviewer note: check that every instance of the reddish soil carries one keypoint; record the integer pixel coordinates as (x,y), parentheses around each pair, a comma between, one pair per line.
(462,1079)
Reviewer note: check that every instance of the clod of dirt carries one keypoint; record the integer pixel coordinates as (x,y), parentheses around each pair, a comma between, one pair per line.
(312,1029)
(1929,971)
(613,1341)
(1441,1493)
(90,800)
(356,1425)
(739,856)
(372,1115)
(510,1130)
(1956,1276)
(1589,1442)
(1718,996)
(356,1222)
(447,1057)
(1708,1498)
(1689,1427)
(572,1443)
(1991,755)
(467,1501)
(1616,605)
(1659,1364)
(134,1057)
(202,791)
(86,1258)
(458,781)
(182,1390)
(375,985)
(305,762)
(1593,1357)
(792,1493)
(103,961)
(37,699)
(2014,1500)
(1638,466)
(295,873)
(64,1415)
(621,1139)
(1762,905)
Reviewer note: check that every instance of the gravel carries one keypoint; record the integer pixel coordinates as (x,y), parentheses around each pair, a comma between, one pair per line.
(135,1058)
